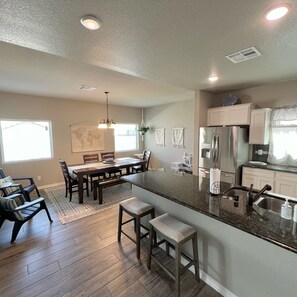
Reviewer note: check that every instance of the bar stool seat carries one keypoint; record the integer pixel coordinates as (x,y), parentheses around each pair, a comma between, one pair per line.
(174,233)
(136,209)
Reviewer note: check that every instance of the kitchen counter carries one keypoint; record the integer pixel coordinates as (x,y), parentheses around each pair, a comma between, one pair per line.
(273,167)
(192,192)
(242,252)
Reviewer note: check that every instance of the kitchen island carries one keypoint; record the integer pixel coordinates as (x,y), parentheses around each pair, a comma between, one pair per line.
(242,253)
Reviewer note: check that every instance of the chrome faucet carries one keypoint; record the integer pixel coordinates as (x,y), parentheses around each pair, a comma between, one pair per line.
(265,188)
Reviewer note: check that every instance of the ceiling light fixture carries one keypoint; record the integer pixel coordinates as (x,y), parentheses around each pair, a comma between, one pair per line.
(213,78)
(90,22)
(107,123)
(277,12)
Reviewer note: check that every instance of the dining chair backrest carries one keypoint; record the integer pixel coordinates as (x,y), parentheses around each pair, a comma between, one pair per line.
(90,158)
(147,157)
(107,155)
(65,170)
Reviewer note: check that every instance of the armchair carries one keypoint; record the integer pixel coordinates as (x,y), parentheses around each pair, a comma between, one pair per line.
(10,185)
(20,214)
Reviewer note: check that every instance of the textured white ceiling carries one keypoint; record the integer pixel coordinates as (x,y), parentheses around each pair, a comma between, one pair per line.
(146,52)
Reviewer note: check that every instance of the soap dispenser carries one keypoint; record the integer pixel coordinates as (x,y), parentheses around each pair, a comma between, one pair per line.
(286,211)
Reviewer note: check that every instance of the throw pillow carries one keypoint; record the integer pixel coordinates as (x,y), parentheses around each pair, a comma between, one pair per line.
(6,181)
(9,204)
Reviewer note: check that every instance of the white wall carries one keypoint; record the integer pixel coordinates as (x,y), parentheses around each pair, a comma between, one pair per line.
(175,115)
(62,113)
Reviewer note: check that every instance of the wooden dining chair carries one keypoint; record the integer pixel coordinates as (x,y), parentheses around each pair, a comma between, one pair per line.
(70,181)
(113,172)
(139,168)
(93,158)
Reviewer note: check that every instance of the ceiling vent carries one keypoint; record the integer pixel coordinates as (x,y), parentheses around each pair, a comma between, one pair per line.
(86,88)
(244,55)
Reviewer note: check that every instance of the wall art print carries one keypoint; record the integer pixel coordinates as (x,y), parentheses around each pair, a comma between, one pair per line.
(178,137)
(160,137)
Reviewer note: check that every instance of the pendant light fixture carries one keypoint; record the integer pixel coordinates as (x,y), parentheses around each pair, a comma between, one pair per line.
(107,123)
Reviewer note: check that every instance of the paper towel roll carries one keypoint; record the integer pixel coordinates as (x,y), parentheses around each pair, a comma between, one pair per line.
(215,178)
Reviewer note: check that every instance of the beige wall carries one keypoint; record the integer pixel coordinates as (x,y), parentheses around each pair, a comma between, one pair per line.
(62,113)
(203,101)
(175,115)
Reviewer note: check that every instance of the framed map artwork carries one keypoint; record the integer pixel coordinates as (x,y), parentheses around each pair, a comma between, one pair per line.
(86,137)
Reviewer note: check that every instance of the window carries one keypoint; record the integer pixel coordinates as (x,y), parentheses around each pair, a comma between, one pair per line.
(125,137)
(283,138)
(25,140)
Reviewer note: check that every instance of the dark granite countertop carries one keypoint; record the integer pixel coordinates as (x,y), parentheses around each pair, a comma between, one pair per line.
(273,167)
(192,191)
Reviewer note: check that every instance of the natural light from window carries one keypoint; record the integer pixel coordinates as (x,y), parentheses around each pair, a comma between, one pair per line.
(285,140)
(125,137)
(283,137)
(25,140)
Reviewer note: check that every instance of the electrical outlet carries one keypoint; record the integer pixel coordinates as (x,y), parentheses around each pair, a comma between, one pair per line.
(38,177)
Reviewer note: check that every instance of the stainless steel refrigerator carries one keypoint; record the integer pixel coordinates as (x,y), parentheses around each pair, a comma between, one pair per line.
(225,148)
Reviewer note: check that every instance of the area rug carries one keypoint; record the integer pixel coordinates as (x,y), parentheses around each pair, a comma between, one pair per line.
(70,211)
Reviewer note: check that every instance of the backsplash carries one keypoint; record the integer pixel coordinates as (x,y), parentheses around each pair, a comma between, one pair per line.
(260,152)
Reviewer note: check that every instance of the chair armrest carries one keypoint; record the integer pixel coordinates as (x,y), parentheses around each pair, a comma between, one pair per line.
(25,178)
(28,204)
(10,186)
(19,196)
(12,196)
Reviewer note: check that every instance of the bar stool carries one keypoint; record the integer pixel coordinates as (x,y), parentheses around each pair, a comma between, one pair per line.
(174,233)
(136,209)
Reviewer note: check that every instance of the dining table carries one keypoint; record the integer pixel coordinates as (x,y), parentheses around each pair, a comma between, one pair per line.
(81,170)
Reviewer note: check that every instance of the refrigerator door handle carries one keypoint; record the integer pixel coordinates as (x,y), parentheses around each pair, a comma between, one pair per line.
(217,148)
(213,148)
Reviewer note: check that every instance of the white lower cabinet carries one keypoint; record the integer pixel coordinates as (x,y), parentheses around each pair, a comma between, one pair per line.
(281,182)
(258,177)
(286,183)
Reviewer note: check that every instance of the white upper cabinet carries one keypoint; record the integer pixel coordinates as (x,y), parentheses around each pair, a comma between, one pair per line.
(229,115)
(259,126)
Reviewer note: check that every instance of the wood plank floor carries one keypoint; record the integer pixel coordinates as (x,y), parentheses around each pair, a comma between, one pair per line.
(82,258)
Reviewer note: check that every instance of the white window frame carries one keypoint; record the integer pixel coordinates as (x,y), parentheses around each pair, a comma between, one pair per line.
(28,160)
(137,138)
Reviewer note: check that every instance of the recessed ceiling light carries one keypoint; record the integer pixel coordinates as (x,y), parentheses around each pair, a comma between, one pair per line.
(213,78)
(90,22)
(277,12)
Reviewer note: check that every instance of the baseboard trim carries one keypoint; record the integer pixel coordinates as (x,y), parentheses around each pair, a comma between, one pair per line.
(50,185)
(216,285)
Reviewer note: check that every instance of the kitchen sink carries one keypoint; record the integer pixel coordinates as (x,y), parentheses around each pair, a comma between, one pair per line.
(273,204)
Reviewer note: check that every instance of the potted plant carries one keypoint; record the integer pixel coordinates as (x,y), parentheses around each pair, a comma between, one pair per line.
(142,130)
